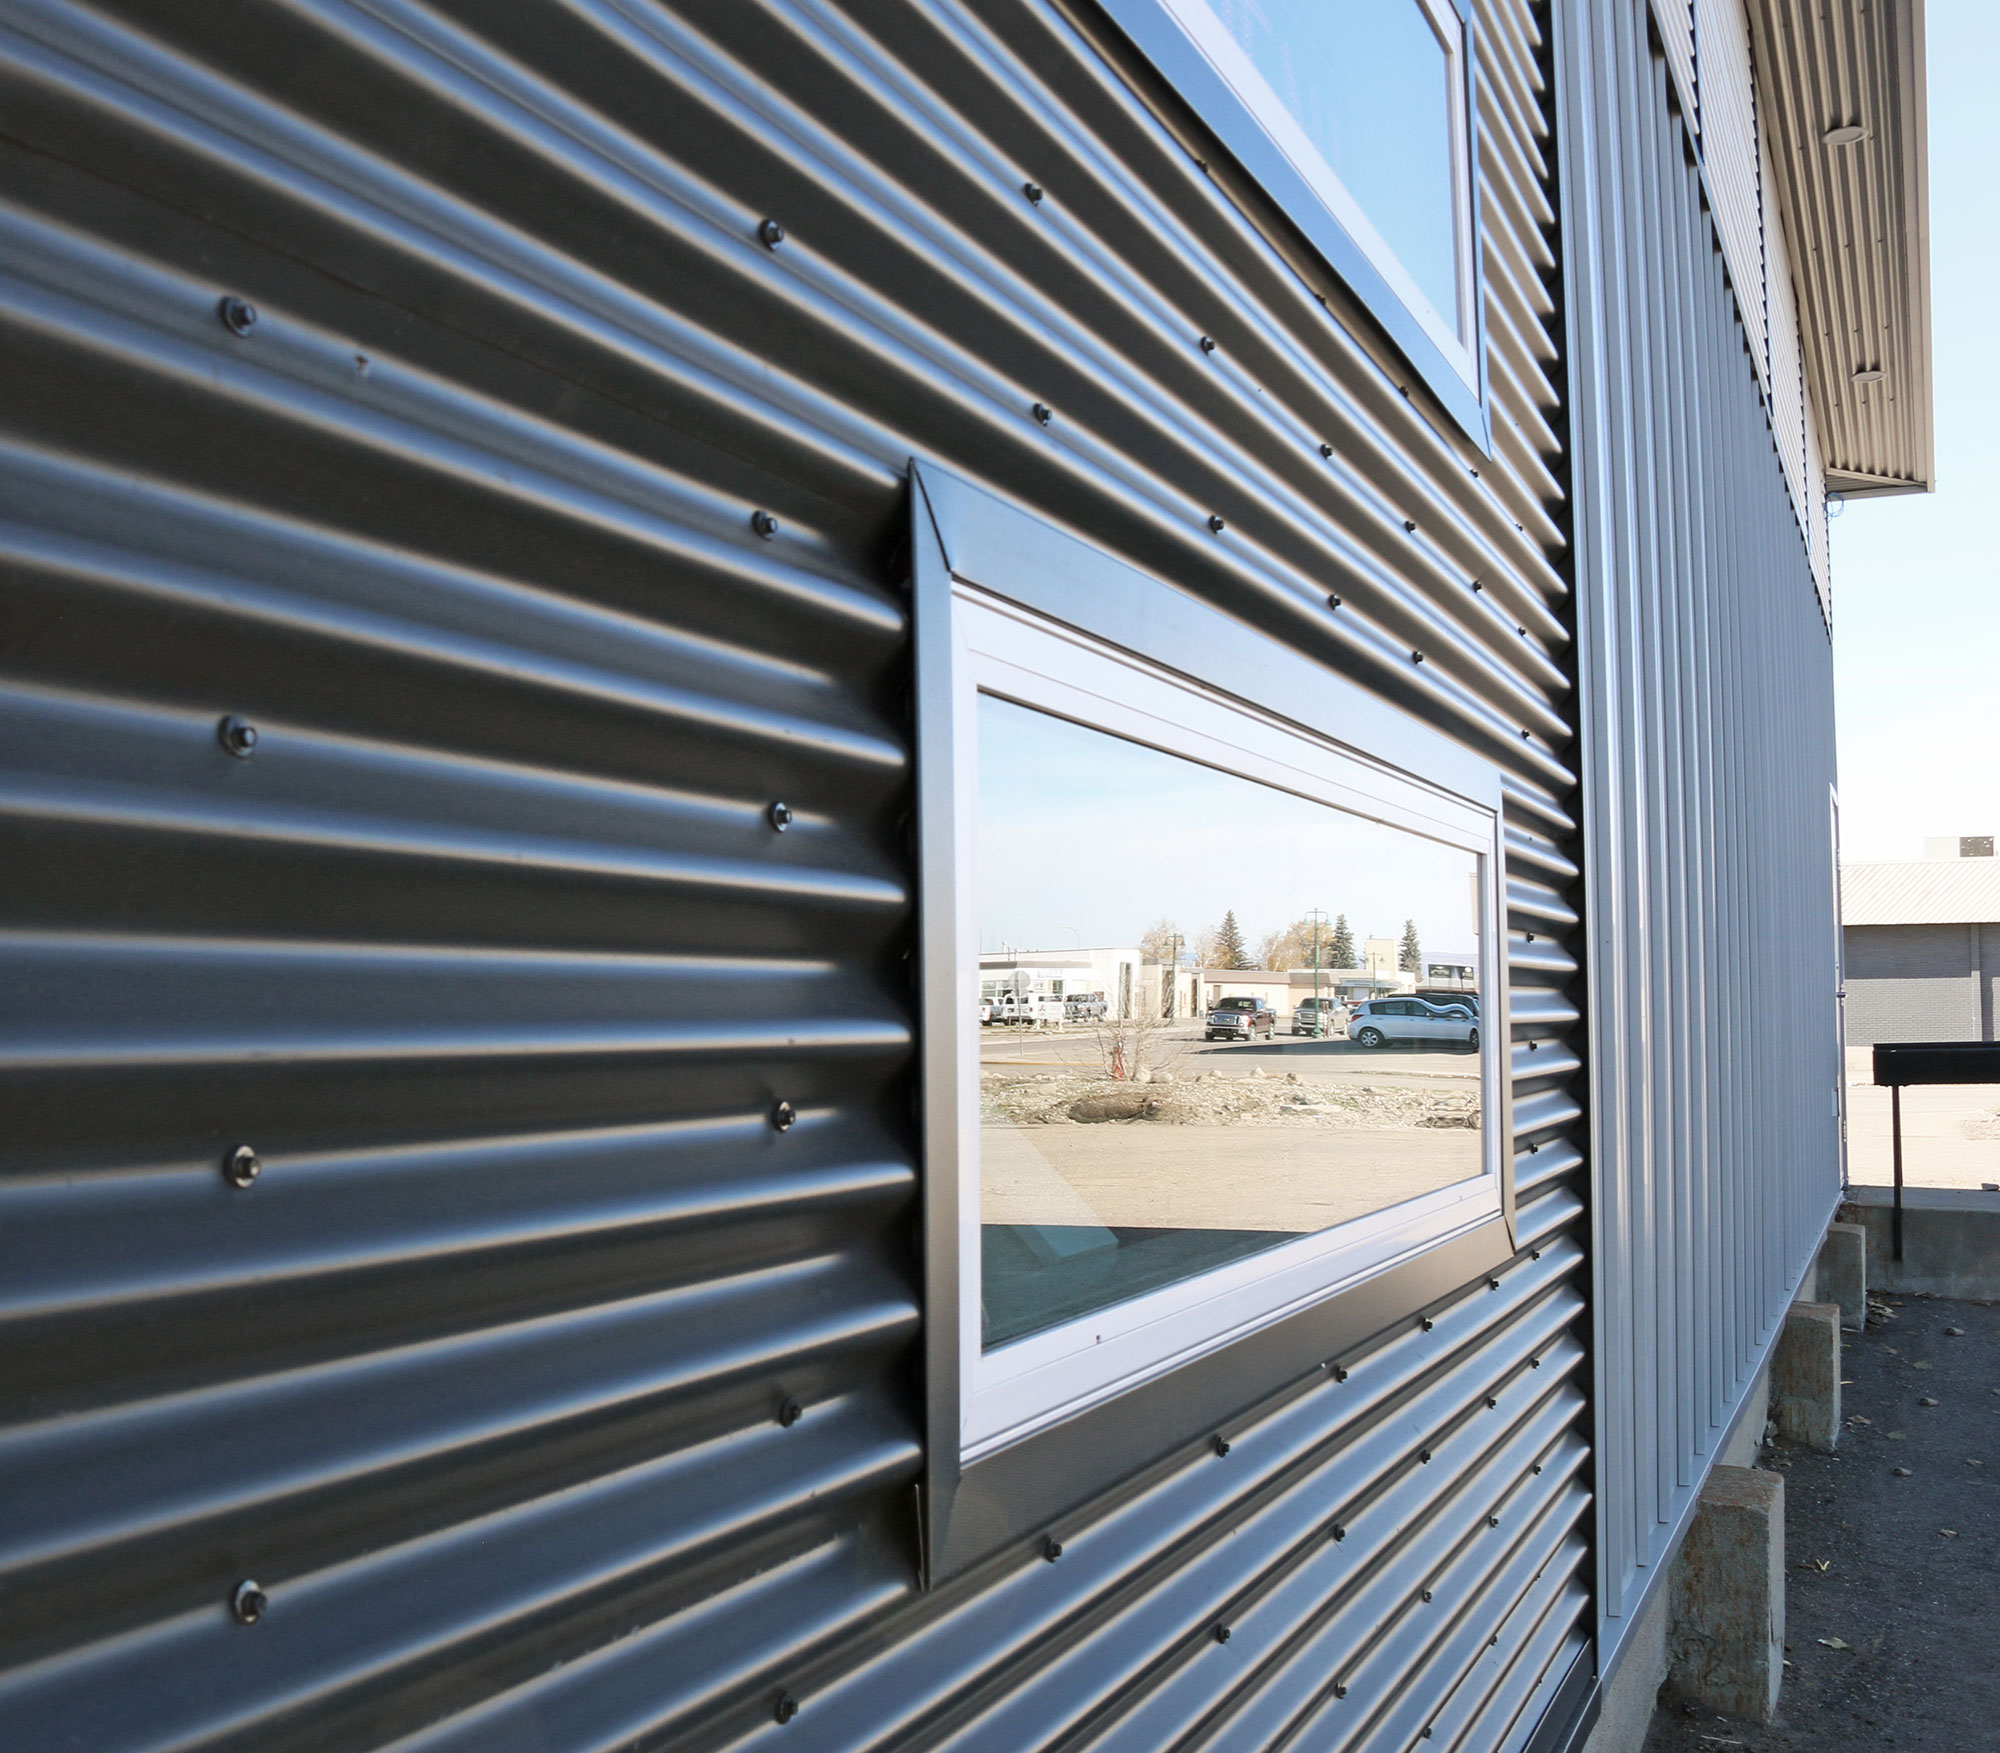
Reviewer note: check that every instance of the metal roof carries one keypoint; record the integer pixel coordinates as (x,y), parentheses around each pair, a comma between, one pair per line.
(1858,220)
(1943,891)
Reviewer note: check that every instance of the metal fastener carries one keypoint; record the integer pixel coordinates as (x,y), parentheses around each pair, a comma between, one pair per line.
(1427,1594)
(1409,527)
(1537,1468)
(247,1603)
(1339,1690)
(1416,657)
(1052,1549)
(241,1166)
(1492,1401)
(1043,413)
(1222,1634)
(1493,1284)
(1493,1521)
(1033,191)
(1428,1323)
(237,735)
(1339,1533)
(1339,1374)
(772,233)
(764,524)
(1333,602)
(1527,735)
(782,1116)
(1534,1150)
(1534,1363)
(1522,631)
(1326,450)
(1531,937)
(780,814)
(1535,1254)
(1208,343)
(1476,585)
(238,316)
(1216,525)
(1424,1455)
(790,1411)
(1222,1445)
(786,1708)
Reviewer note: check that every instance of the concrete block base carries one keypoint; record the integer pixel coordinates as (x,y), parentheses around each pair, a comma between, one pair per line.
(1805,1376)
(1843,1273)
(1951,1240)
(1726,1626)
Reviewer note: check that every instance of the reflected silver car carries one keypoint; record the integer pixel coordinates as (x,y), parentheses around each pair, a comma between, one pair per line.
(1382,1020)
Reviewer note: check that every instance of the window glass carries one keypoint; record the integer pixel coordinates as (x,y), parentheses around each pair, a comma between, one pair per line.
(1369,84)
(1126,1151)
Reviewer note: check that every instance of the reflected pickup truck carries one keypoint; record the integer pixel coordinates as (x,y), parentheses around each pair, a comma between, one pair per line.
(1240,1019)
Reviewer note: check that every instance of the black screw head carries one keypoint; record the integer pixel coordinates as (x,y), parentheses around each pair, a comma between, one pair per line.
(1534,1253)
(786,1708)
(1326,450)
(1333,602)
(1493,1284)
(1216,525)
(771,234)
(1491,1402)
(1222,1445)
(1339,1691)
(1493,1521)
(1522,631)
(780,814)
(1208,343)
(1424,1455)
(783,1115)
(1527,736)
(1428,1323)
(241,1166)
(1427,1596)
(790,1411)
(1051,1549)
(237,735)
(1222,1634)
(1535,1150)
(1531,937)
(1339,1533)
(1476,585)
(1538,1466)
(1033,191)
(1043,413)
(1408,527)
(1339,1374)
(238,315)
(1416,657)
(247,1603)
(764,524)
(1534,1363)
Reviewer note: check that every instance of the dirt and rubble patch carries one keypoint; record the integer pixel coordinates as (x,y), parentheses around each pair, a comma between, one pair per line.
(1892,1551)
(1211,1099)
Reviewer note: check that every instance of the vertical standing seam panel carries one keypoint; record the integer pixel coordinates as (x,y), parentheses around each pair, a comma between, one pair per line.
(1707,691)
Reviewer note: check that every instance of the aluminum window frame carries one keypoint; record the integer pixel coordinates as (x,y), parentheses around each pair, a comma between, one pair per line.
(1014,1442)
(1175,37)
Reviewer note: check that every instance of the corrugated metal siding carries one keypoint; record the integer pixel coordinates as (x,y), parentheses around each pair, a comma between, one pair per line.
(1726,93)
(1708,700)
(1674,20)
(489,948)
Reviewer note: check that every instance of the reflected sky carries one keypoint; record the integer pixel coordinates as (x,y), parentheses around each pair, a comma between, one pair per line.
(1081,832)
(1368,82)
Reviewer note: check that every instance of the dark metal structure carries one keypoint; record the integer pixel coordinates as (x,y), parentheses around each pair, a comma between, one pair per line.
(457,1259)
(1902,1063)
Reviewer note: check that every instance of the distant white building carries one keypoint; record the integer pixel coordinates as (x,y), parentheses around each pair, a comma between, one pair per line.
(1921,945)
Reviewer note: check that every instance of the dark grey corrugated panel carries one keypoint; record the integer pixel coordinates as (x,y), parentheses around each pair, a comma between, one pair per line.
(1708,700)
(490,951)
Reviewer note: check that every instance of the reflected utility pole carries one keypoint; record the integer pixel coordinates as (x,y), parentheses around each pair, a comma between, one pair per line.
(1318,917)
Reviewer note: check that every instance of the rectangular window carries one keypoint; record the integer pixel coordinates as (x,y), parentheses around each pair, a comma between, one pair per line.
(1131,1194)
(1355,117)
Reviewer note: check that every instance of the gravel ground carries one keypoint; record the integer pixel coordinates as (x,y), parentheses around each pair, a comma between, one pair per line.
(1255,1099)
(1893,1604)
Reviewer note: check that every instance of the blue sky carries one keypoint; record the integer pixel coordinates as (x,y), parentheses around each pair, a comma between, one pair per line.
(1916,581)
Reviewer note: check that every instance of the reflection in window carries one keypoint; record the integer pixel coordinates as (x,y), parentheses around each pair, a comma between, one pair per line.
(1167,1082)
(1369,84)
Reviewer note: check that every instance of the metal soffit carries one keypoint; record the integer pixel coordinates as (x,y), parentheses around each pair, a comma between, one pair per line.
(1858,213)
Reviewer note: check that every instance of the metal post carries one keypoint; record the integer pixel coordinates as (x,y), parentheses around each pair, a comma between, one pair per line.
(1896,1150)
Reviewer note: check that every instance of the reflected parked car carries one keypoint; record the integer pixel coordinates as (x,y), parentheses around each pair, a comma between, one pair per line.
(1085,1007)
(1240,1019)
(1382,1020)
(1318,1016)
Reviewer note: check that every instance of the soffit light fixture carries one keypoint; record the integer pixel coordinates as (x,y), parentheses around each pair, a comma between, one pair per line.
(1844,134)
(1868,374)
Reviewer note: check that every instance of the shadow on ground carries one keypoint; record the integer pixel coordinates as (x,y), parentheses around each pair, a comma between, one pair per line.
(1893,1597)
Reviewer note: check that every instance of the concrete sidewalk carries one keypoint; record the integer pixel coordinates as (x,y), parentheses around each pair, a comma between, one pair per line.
(1896,1641)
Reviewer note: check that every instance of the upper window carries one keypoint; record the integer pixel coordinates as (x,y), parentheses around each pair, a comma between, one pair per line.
(1354,115)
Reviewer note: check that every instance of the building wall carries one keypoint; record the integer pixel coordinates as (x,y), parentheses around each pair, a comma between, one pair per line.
(491,951)
(1921,982)
(1706,683)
